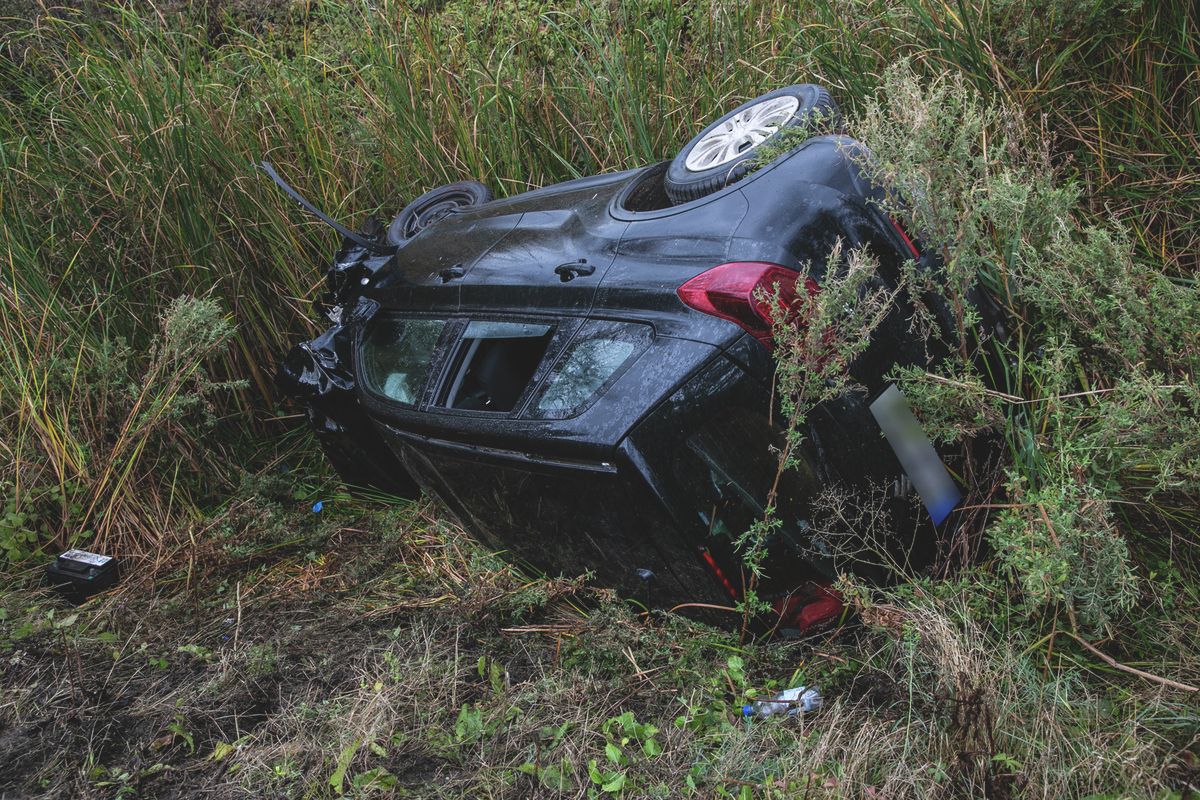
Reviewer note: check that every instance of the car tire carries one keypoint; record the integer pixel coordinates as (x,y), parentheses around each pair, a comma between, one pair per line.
(725,151)
(432,206)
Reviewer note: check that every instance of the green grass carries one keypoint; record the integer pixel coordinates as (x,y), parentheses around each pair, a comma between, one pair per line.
(129,416)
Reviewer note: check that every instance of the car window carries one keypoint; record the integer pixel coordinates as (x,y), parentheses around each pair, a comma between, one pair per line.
(589,363)
(395,356)
(496,362)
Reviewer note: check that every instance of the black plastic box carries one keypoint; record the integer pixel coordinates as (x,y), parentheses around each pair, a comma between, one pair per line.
(78,574)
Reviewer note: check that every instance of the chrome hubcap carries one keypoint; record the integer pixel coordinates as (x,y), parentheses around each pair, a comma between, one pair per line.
(741,133)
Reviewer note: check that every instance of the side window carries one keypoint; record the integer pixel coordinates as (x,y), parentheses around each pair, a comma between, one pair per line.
(498,359)
(395,356)
(596,356)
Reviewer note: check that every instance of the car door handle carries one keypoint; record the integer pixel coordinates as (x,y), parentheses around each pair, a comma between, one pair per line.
(452,273)
(573,269)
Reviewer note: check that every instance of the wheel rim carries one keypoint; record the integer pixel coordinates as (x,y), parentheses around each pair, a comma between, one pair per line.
(741,133)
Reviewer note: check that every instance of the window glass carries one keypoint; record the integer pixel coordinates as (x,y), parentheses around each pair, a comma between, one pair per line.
(395,356)
(588,365)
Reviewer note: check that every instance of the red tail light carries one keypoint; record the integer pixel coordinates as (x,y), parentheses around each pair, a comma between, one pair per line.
(912,248)
(738,292)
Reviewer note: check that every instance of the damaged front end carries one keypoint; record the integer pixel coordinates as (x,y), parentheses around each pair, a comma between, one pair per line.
(319,374)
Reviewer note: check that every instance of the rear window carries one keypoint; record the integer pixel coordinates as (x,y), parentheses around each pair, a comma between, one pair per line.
(593,360)
(395,356)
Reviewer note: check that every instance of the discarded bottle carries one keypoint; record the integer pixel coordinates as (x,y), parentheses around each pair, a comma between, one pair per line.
(800,700)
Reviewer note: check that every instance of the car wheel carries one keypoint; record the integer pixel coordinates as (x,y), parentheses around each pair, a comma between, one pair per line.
(433,205)
(726,150)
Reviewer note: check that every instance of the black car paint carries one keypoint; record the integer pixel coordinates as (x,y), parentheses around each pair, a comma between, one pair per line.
(637,479)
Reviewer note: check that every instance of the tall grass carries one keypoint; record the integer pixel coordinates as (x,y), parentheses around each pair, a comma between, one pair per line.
(126,140)
(150,279)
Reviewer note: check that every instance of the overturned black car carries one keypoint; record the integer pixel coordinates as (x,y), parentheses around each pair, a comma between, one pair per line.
(583,375)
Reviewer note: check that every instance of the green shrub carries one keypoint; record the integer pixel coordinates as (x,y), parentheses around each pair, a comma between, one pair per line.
(94,425)
(1093,369)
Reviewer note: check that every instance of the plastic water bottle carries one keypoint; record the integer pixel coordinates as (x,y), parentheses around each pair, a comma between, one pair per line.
(800,700)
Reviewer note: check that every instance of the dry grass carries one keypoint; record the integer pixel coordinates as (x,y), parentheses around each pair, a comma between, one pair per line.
(380,650)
